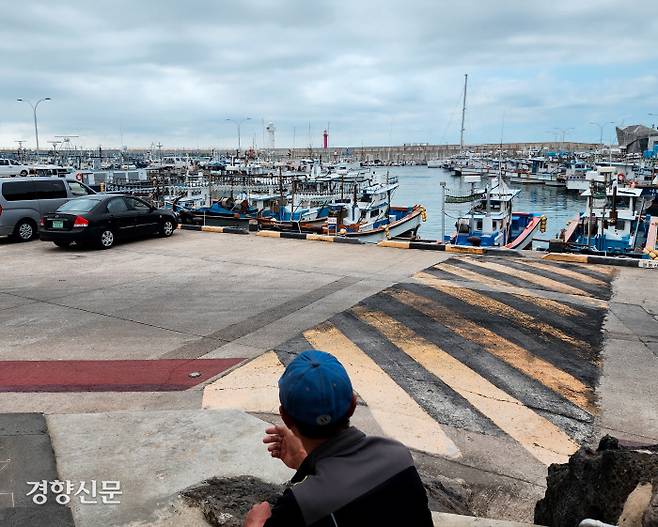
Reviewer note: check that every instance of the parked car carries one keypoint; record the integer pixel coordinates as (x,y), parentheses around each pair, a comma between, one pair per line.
(24,200)
(11,167)
(103,219)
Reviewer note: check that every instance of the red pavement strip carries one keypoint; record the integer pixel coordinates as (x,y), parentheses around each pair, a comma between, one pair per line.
(160,375)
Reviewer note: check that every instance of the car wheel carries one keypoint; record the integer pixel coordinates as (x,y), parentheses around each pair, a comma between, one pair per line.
(106,239)
(25,231)
(23,173)
(62,244)
(167,228)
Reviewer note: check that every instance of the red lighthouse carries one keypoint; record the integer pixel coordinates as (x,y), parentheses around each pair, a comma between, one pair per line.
(325,139)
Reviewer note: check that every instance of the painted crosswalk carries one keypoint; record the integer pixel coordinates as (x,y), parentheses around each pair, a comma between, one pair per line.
(490,346)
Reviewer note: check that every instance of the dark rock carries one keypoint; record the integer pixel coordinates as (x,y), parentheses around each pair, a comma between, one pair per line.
(448,495)
(595,484)
(225,502)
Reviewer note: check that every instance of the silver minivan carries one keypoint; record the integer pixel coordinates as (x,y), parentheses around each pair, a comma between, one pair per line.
(23,200)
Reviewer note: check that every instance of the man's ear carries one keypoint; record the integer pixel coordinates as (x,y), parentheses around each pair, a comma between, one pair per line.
(350,413)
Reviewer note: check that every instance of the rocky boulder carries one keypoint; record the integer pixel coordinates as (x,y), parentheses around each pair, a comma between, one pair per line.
(597,484)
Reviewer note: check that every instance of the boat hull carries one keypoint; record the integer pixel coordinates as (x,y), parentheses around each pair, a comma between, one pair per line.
(530,224)
(315,225)
(406,226)
(524,239)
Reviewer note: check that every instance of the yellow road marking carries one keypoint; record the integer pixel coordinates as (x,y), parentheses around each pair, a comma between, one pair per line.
(581,261)
(464,249)
(524,294)
(320,237)
(467,274)
(537,435)
(269,234)
(253,387)
(565,257)
(554,305)
(398,244)
(499,308)
(606,270)
(399,416)
(560,381)
(569,273)
(529,277)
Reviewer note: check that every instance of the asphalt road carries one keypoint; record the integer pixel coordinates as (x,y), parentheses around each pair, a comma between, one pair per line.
(488,368)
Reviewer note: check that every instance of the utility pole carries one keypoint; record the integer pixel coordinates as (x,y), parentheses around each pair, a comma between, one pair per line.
(461,135)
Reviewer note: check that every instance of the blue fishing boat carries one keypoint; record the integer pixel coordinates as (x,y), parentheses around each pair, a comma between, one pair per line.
(301,219)
(491,222)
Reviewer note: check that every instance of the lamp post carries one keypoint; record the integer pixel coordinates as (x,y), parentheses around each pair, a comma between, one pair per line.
(653,115)
(34,111)
(601,126)
(238,123)
(564,132)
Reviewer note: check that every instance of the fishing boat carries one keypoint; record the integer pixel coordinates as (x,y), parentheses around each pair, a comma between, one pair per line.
(288,218)
(615,221)
(575,176)
(369,217)
(491,222)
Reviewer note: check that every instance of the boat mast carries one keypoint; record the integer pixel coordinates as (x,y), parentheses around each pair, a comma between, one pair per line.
(461,135)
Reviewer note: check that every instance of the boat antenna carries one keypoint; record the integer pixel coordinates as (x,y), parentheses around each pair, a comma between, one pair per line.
(461,135)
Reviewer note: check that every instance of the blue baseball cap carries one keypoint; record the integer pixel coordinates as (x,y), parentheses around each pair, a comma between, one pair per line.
(315,389)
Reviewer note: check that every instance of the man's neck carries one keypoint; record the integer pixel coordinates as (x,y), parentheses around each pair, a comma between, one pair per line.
(310,444)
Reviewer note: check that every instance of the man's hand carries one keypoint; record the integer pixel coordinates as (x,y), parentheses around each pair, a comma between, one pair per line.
(258,515)
(285,445)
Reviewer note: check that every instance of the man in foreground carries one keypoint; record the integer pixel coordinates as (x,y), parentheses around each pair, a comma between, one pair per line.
(343,478)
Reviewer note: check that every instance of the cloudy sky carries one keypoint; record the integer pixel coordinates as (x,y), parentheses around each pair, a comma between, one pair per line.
(377,71)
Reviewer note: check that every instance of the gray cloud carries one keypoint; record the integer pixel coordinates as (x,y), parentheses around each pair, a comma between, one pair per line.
(173,71)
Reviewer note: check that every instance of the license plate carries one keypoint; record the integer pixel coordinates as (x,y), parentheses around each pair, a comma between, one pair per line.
(58,224)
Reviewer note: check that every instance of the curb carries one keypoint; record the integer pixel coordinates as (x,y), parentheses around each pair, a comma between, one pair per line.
(456,249)
(305,236)
(210,228)
(445,519)
(602,260)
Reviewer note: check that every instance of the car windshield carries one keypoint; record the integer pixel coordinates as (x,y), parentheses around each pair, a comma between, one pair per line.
(79,205)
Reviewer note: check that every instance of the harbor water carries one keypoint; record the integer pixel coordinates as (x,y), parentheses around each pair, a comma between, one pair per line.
(419,184)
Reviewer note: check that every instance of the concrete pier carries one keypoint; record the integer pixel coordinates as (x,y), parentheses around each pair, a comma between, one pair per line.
(164,355)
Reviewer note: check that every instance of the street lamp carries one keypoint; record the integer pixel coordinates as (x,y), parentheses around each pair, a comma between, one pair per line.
(563,131)
(601,126)
(238,123)
(34,110)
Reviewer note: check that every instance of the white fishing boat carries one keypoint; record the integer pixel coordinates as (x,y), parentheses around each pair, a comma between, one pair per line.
(369,217)
(576,176)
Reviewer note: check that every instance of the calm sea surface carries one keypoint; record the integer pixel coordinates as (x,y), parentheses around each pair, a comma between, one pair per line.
(419,184)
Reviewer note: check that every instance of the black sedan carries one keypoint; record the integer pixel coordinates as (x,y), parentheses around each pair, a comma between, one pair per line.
(103,219)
